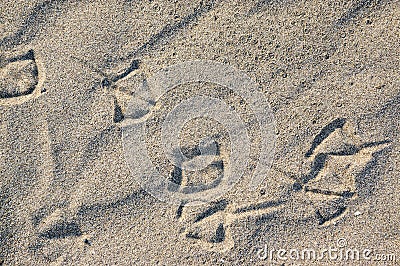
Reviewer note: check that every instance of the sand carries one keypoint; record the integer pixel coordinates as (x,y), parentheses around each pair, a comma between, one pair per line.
(81,124)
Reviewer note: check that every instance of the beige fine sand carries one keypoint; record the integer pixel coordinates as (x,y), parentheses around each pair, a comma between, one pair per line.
(75,77)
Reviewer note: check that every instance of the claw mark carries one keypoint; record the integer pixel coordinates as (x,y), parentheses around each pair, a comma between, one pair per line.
(258,206)
(317,166)
(179,210)
(216,207)
(344,194)
(374,144)
(134,65)
(325,132)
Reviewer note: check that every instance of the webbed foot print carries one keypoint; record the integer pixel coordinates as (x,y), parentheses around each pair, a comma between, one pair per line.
(204,224)
(334,162)
(21,77)
(336,159)
(123,86)
(187,181)
(208,226)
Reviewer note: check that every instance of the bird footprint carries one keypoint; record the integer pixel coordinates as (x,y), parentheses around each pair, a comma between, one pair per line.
(21,77)
(335,160)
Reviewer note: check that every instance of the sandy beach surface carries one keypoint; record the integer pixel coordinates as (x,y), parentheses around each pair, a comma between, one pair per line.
(99,99)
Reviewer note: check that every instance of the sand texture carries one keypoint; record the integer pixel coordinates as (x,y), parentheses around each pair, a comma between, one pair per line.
(85,109)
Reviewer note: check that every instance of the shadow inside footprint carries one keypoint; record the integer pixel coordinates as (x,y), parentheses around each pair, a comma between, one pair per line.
(63,230)
(324,133)
(219,234)
(214,208)
(18,75)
